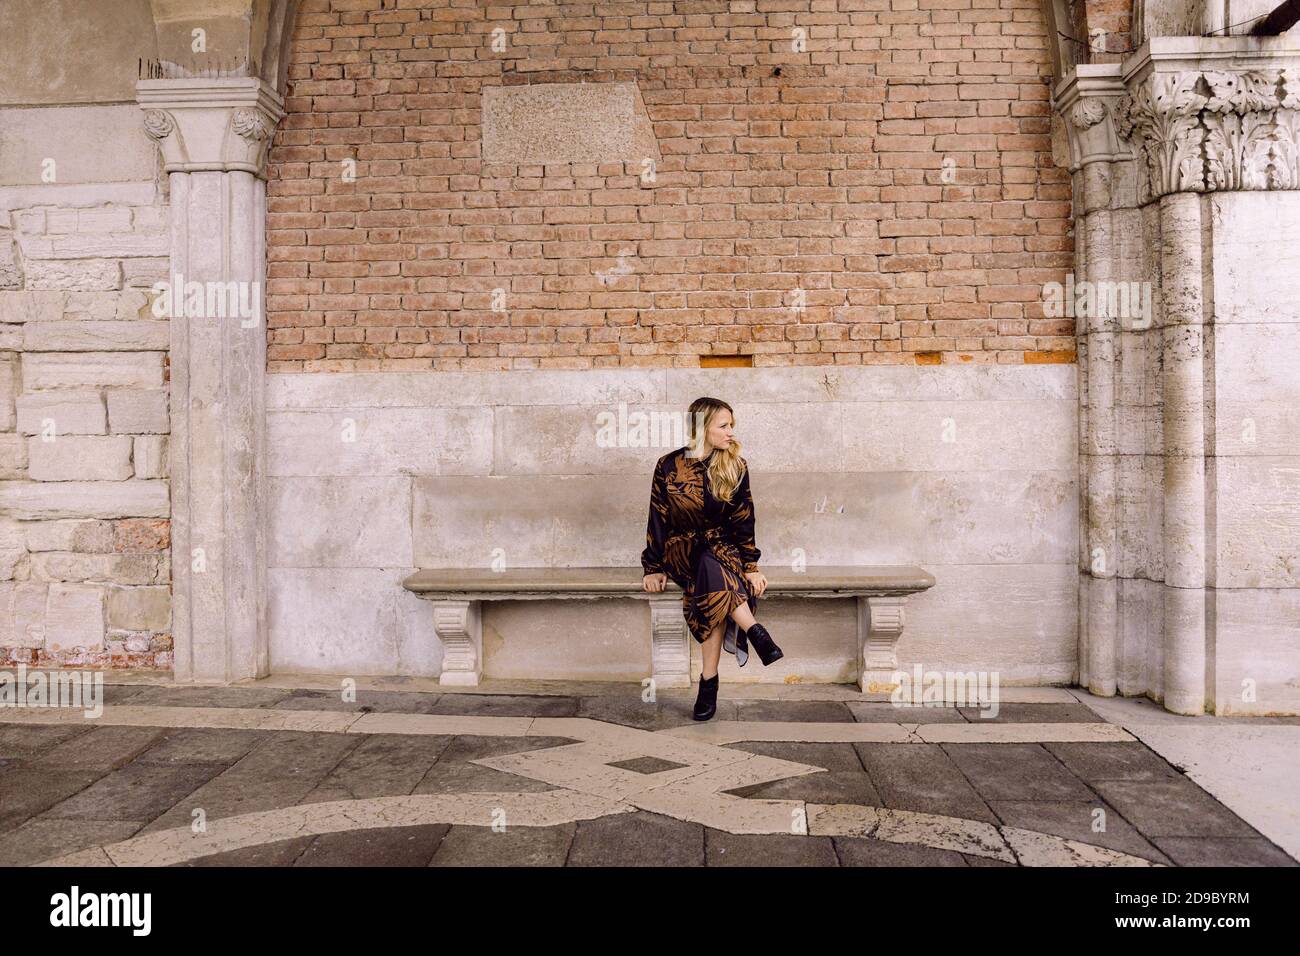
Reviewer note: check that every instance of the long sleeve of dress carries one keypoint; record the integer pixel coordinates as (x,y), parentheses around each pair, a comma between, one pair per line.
(742,526)
(656,531)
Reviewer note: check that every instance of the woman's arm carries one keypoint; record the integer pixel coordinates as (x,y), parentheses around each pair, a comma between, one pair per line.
(742,525)
(656,526)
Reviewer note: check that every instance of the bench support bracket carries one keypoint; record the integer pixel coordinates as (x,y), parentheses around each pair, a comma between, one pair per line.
(459,625)
(670,643)
(880,625)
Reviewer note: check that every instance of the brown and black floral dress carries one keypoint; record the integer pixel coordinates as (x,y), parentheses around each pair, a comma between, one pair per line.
(704,545)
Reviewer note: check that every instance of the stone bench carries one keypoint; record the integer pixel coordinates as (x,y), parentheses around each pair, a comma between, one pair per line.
(456,596)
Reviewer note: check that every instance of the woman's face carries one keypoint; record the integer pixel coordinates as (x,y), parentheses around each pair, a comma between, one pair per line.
(718,433)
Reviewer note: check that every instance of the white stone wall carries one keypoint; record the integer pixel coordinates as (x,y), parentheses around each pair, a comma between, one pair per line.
(966,471)
(84,561)
(1254,477)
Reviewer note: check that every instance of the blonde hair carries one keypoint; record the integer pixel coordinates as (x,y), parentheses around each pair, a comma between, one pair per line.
(726,469)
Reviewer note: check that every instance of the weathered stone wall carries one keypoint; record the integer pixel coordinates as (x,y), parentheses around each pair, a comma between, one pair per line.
(889,197)
(968,472)
(85,566)
(1251,479)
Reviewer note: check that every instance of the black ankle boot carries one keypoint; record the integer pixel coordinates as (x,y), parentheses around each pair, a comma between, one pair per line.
(706,703)
(762,642)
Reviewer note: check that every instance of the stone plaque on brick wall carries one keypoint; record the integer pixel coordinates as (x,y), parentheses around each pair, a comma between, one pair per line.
(566,123)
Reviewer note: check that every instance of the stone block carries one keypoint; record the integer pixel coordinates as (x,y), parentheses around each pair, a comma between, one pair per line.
(92,245)
(13,457)
(139,609)
(108,219)
(69,535)
(384,441)
(150,456)
(140,534)
(65,336)
(306,391)
(74,616)
(566,123)
(311,613)
(538,521)
(62,412)
(36,500)
(10,385)
(12,548)
(71,369)
(22,613)
(29,306)
(55,274)
(92,144)
(145,274)
(91,307)
(99,568)
(339,522)
(79,458)
(138,412)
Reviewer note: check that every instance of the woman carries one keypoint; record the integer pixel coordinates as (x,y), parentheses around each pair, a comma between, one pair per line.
(701,534)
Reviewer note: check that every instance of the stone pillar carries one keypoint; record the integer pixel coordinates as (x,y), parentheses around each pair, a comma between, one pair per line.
(213,135)
(1183,350)
(1210,121)
(1099,164)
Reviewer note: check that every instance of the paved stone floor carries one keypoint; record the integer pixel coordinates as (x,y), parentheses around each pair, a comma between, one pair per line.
(279,775)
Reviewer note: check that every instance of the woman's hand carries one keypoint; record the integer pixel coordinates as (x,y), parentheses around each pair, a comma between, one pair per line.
(654,582)
(757,582)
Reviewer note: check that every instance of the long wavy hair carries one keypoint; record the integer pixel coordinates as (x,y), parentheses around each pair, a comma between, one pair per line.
(726,469)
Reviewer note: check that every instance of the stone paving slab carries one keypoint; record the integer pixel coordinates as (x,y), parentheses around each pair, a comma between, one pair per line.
(513,846)
(830,756)
(1123,760)
(277,853)
(1223,851)
(278,773)
(863,851)
(28,791)
(747,849)
(922,778)
(208,745)
(821,712)
(102,749)
(404,846)
(45,838)
(1172,808)
(1076,821)
(28,741)
(1016,772)
(641,839)
(138,791)
(1011,713)
(878,712)
(381,764)
(366,701)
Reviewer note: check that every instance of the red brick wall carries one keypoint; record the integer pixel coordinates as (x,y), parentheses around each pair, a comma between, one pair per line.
(828,178)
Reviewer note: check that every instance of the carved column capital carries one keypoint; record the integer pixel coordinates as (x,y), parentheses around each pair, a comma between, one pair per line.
(1087,99)
(211,124)
(1210,117)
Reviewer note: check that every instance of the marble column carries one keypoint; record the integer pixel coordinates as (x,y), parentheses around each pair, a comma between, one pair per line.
(213,135)
(1104,204)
